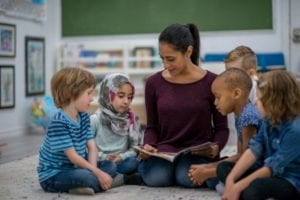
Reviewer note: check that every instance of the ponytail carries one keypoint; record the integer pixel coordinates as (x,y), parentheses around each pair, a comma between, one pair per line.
(196,47)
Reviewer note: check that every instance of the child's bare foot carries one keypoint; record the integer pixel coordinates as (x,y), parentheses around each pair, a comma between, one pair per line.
(200,173)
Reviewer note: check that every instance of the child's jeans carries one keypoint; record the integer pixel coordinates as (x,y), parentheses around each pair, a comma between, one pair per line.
(158,172)
(75,178)
(128,165)
(261,188)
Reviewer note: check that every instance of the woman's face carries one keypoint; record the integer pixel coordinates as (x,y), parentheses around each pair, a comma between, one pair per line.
(174,61)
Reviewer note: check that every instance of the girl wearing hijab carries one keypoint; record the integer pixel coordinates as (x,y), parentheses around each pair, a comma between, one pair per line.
(114,125)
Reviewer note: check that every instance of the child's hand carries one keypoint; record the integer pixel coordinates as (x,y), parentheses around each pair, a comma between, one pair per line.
(149,148)
(104,179)
(114,157)
(231,193)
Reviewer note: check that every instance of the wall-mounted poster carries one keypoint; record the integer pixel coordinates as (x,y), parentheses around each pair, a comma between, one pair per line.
(35,66)
(7,40)
(25,9)
(7,86)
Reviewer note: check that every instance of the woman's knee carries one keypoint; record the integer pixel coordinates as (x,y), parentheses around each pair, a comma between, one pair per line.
(182,178)
(156,172)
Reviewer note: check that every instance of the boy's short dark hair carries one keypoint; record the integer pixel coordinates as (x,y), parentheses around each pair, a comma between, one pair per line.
(243,52)
(68,84)
(237,78)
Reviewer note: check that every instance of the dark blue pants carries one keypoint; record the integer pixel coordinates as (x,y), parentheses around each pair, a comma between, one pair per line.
(66,180)
(261,188)
(157,172)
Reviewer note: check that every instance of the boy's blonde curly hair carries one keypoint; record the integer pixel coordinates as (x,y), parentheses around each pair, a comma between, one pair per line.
(69,83)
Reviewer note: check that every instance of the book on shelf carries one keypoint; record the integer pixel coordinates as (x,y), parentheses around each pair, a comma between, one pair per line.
(171,156)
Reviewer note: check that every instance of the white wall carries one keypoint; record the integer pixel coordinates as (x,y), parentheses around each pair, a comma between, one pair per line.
(295,47)
(14,121)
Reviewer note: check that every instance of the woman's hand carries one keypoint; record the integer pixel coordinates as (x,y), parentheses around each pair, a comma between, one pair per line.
(149,148)
(210,152)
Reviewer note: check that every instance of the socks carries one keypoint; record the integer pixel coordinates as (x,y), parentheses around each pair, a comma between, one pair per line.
(118,180)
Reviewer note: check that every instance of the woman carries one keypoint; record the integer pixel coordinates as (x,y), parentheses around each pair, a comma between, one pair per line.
(180,110)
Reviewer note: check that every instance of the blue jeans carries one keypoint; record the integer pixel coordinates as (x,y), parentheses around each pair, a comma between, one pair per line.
(66,180)
(157,172)
(128,165)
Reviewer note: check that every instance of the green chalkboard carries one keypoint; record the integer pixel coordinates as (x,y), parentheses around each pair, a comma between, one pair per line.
(111,17)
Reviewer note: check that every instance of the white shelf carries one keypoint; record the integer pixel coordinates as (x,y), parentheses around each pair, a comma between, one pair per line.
(104,70)
(91,60)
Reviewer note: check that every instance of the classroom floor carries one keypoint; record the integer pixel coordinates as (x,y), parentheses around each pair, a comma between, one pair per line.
(18,177)
(21,146)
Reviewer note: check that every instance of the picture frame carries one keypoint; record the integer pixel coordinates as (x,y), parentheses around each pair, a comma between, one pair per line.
(7,86)
(35,65)
(7,40)
(143,56)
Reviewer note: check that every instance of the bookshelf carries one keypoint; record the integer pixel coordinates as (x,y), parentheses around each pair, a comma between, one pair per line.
(138,61)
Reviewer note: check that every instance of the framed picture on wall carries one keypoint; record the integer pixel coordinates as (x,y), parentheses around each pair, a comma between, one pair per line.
(7,40)
(35,66)
(7,86)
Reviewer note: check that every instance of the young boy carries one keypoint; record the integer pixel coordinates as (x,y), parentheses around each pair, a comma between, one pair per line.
(231,90)
(242,57)
(68,154)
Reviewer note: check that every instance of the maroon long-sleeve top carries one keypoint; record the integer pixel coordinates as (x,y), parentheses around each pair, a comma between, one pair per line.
(182,115)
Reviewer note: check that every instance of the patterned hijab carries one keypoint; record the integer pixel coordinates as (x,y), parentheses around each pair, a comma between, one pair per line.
(118,123)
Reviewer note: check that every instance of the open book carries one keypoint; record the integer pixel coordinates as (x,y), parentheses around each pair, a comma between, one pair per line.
(171,156)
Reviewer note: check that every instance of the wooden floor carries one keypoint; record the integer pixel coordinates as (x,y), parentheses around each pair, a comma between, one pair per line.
(18,147)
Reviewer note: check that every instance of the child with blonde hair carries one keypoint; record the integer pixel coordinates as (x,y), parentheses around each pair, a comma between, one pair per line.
(243,57)
(231,89)
(115,126)
(68,154)
(270,168)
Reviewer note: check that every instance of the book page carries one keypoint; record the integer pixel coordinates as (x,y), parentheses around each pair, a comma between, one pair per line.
(171,156)
(165,155)
(199,147)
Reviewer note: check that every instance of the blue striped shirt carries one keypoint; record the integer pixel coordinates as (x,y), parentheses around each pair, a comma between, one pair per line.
(63,133)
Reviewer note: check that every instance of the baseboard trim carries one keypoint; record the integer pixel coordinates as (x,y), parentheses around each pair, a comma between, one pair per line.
(13,132)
